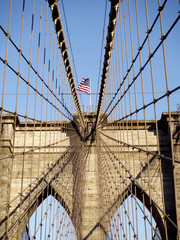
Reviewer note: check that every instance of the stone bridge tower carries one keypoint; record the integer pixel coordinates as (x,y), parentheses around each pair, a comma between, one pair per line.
(80,175)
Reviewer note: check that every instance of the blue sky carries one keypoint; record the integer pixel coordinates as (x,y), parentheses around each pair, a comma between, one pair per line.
(85,25)
(85,22)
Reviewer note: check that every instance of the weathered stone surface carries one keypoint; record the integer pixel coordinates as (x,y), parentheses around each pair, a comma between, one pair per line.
(86,180)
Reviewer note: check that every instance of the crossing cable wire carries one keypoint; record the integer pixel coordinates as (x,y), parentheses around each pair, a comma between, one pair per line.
(125,182)
(132,135)
(43,173)
(161,178)
(129,105)
(123,128)
(25,134)
(125,104)
(5,62)
(116,114)
(72,159)
(31,204)
(38,148)
(152,81)
(42,189)
(106,179)
(147,147)
(44,61)
(109,174)
(137,122)
(50,159)
(64,52)
(2,101)
(35,109)
(116,186)
(48,208)
(134,180)
(45,215)
(123,150)
(107,93)
(148,60)
(44,162)
(69,40)
(54,132)
(109,189)
(33,69)
(169,113)
(13,139)
(115,117)
(52,224)
(40,225)
(168,93)
(110,38)
(102,46)
(134,59)
(140,149)
(39,93)
(23,57)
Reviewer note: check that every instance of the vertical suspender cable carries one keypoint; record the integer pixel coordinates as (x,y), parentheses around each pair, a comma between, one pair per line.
(65,55)
(107,56)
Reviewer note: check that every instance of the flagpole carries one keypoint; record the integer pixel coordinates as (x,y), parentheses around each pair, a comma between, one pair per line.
(90,95)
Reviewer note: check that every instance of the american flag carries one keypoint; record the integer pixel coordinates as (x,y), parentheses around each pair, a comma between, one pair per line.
(84,86)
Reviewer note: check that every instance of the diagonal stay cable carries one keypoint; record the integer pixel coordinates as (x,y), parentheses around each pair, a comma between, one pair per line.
(42,175)
(67,155)
(128,186)
(70,45)
(33,69)
(33,88)
(143,107)
(107,56)
(102,46)
(133,60)
(133,179)
(61,40)
(139,149)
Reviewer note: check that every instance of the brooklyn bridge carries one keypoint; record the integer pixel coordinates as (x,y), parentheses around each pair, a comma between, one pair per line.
(100,164)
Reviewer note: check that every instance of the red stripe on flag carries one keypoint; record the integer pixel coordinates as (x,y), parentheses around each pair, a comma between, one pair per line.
(83,88)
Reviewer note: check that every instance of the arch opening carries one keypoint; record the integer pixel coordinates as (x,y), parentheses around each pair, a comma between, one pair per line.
(50,221)
(133,220)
